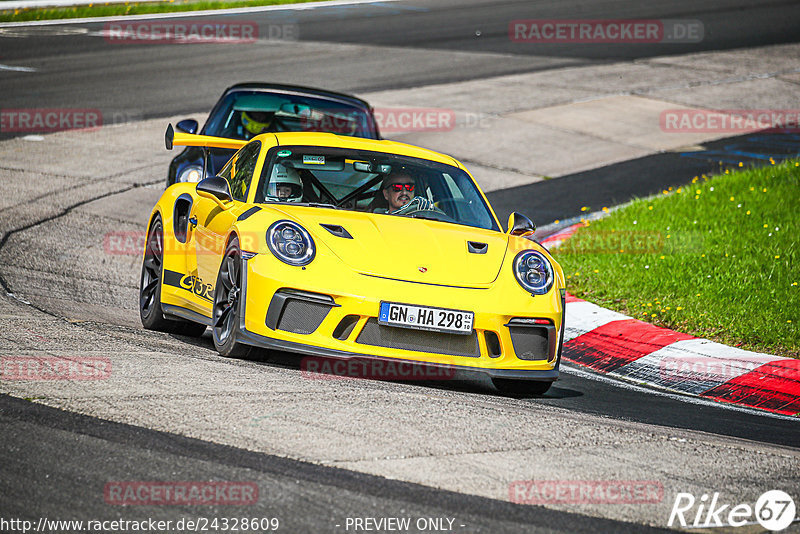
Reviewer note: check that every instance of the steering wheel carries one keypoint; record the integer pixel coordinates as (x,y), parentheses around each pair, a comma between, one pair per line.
(434,212)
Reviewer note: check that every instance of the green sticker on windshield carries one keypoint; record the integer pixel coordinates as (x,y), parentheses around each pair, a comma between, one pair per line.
(284,153)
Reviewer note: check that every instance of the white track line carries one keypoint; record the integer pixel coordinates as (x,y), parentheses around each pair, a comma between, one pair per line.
(17,69)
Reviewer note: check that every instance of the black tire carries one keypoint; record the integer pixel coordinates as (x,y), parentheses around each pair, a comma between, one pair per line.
(227,304)
(521,387)
(150,311)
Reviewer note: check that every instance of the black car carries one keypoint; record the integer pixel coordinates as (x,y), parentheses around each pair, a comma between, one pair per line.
(247,109)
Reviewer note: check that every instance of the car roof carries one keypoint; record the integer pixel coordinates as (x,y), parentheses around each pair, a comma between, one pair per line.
(298,89)
(323,139)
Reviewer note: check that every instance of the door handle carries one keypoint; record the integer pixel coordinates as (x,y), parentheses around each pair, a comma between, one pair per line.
(193,222)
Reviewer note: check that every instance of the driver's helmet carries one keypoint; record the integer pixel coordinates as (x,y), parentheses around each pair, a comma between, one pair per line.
(284,185)
(257,122)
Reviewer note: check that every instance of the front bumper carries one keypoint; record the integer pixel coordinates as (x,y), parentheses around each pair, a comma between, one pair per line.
(325,321)
(308,350)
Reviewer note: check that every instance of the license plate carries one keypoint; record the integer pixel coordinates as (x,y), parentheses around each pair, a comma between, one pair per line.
(425,318)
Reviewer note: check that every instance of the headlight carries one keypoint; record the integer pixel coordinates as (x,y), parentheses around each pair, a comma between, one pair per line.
(190,173)
(290,243)
(533,272)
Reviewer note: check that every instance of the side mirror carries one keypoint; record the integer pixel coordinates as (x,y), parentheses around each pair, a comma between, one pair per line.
(520,225)
(215,188)
(189,126)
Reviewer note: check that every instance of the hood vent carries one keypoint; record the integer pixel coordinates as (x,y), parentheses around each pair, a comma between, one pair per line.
(338,231)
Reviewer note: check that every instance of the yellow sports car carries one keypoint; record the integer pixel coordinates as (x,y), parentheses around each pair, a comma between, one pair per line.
(349,248)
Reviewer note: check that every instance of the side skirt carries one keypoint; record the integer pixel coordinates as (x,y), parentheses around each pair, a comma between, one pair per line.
(186,314)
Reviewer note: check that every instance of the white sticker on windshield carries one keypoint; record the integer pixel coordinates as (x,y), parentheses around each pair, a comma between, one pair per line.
(314,160)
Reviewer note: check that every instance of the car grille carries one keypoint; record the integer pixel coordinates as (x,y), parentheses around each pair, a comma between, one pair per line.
(302,317)
(530,343)
(418,340)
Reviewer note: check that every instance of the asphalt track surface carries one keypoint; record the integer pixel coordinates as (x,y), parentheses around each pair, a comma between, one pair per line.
(421,42)
(58,455)
(303,496)
(618,183)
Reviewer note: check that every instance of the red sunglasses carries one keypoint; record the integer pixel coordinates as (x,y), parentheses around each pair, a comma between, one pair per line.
(399,187)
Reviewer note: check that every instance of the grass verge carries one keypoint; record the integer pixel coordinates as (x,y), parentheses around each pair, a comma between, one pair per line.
(717,258)
(101,9)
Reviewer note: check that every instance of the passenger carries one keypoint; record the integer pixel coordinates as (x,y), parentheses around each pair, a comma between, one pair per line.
(284,185)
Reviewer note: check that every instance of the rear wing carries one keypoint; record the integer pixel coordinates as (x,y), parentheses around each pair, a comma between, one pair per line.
(173,138)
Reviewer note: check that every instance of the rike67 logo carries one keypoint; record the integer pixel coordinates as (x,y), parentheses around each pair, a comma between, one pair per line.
(774,510)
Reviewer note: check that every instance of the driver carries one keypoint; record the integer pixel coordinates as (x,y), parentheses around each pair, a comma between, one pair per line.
(398,190)
(257,122)
(284,185)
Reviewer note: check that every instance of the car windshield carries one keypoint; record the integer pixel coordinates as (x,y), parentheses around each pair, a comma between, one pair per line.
(243,114)
(372,182)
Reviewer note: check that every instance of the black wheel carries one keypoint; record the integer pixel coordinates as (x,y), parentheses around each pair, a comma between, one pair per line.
(521,387)
(227,303)
(150,288)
